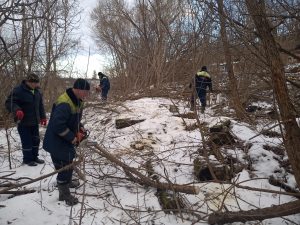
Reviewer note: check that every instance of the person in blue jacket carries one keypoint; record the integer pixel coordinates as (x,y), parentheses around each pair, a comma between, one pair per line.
(104,86)
(25,102)
(202,81)
(64,132)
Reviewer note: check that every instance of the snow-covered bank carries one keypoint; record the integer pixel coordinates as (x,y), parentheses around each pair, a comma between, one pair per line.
(111,199)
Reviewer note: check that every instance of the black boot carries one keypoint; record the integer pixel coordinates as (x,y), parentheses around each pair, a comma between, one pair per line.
(39,161)
(65,195)
(30,163)
(192,108)
(202,109)
(74,183)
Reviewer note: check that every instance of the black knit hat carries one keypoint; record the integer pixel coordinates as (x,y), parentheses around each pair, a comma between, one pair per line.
(204,68)
(81,84)
(100,74)
(32,77)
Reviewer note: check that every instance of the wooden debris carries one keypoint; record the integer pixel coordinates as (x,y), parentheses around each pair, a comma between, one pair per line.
(220,134)
(281,184)
(136,176)
(223,173)
(173,108)
(19,192)
(189,115)
(126,122)
(276,150)
(257,214)
(270,133)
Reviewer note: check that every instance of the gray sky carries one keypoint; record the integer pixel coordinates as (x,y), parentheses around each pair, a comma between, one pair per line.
(97,62)
(83,61)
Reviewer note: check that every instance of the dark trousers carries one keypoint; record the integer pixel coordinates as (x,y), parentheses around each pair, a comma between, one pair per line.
(104,93)
(65,176)
(202,96)
(30,139)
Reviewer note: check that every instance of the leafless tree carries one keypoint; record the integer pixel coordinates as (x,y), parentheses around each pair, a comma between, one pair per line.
(234,97)
(269,31)
(153,42)
(35,35)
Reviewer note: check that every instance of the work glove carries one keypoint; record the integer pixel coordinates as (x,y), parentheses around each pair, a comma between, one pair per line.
(82,130)
(43,122)
(79,137)
(19,114)
(98,89)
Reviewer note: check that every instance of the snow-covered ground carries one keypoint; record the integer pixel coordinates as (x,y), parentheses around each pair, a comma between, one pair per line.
(108,197)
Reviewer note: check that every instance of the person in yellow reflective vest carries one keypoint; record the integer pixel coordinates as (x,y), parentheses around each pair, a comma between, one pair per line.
(202,81)
(104,86)
(64,132)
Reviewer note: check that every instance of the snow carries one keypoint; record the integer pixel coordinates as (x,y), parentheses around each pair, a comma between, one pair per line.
(110,198)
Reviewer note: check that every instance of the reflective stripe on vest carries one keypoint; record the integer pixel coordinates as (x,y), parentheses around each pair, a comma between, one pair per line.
(64,98)
(203,74)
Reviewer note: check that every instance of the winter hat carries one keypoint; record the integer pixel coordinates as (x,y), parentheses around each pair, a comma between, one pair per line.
(81,84)
(203,68)
(32,77)
(100,74)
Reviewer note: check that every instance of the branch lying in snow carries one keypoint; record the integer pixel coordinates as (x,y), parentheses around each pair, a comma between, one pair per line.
(20,192)
(41,178)
(140,178)
(269,128)
(268,191)
(257,214)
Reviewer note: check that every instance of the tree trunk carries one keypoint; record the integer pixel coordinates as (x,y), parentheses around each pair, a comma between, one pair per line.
(257,11)
(234,95)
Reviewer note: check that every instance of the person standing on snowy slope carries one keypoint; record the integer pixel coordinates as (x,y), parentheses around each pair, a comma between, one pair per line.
(104,86)
(64,132)
(26,103)
(202,80)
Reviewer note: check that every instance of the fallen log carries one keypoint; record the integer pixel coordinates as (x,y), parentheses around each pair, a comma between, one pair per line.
(126,122)
(6,185)
(144,180)
(286,209)
(20,192)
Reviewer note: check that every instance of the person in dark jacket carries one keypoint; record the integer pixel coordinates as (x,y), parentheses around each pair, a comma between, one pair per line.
(104,86)
(202,81)
(64,132)
(26,104)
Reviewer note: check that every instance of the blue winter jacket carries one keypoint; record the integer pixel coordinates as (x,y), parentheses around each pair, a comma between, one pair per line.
(63,125)
(104,83)
(202,81)
(29,101)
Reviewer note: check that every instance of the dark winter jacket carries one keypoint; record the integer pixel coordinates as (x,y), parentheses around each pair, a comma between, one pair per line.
(29,101)
(104,82)
(202,81)
(63,125)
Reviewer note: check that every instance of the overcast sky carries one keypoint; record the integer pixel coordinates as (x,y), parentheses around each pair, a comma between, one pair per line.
(82,61)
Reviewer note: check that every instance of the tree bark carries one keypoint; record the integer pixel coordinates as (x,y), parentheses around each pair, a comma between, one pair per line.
(257,11)
(257,214)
